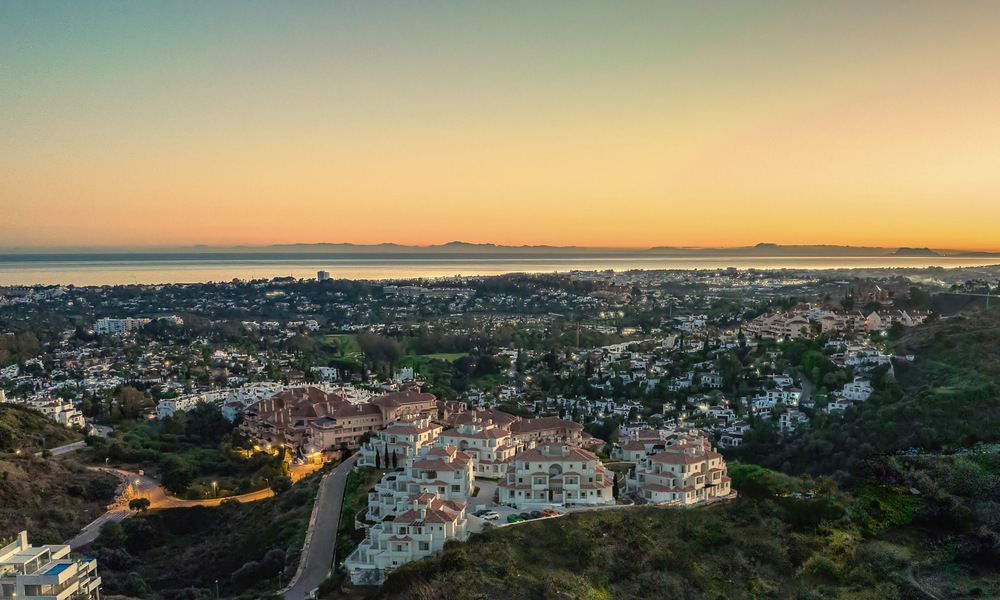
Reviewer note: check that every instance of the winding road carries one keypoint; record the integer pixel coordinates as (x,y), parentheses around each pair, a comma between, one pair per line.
(146,487)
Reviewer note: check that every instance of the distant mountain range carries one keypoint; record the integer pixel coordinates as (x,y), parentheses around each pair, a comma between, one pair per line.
(465,249)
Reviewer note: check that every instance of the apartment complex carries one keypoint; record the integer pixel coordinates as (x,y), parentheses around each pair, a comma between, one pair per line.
(413,512)
(683,474)
(312,420)
(556,475)
(404,438)
(27,571)
(490,446)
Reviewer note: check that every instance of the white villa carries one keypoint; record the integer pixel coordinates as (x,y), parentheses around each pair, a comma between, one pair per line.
(556,475)
(27,571)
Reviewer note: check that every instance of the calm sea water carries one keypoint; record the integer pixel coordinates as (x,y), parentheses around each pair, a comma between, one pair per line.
(115,272)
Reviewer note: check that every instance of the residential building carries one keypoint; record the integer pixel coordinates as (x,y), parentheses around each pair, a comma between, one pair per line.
(413,512)
(117,326)
(556,474)
(28,571)
(404,438)
(683,474)
(489,446)
(419,527)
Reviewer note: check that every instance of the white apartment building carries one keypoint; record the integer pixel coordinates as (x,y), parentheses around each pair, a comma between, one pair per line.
(116,326)
(419,528)
(445,472)
(684,474)
(556,475)
(490,447)
(46,572)
(405,438)
(414,511)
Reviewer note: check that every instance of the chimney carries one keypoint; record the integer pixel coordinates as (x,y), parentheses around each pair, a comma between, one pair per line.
(22,539)
(423,513)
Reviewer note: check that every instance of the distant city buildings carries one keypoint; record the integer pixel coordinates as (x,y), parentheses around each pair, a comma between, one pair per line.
(323,275)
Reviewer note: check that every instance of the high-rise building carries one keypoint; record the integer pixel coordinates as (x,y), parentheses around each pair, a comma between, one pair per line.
(323,275)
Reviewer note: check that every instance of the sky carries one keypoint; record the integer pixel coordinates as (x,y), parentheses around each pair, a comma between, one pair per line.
(625,124)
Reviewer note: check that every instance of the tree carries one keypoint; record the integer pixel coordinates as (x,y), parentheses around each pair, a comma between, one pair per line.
(378,460)
(139,504)
(614,486)
(394,462)
(281,484)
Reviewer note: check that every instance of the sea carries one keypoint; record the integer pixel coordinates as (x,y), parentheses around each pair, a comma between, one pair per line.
(90,270)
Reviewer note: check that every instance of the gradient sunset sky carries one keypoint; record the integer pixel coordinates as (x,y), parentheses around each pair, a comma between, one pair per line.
(629,124)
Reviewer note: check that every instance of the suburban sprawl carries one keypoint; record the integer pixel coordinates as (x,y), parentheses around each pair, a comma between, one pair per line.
(740,433)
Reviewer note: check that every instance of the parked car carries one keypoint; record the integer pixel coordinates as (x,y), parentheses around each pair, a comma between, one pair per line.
(480,512)
(535,514)
(548,512)
(512,518)
(491,515)
(526,516)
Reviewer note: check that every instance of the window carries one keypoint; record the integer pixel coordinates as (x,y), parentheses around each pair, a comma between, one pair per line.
(425,546)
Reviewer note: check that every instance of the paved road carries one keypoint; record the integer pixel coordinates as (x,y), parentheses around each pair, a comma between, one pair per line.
(807,388)
(146,487)
(317,558)
(91,531)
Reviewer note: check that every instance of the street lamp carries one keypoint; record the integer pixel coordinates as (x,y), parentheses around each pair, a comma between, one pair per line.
(215,489)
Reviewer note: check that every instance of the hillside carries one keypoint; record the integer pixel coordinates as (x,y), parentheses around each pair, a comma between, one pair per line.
(887,543)
(181,552)
(51,498)
(27,430)
(947,397)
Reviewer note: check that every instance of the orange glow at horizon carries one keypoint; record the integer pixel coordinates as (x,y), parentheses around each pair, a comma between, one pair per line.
(671,125)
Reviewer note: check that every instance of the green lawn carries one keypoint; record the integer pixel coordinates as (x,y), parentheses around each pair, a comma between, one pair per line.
(446,356)
(348,342)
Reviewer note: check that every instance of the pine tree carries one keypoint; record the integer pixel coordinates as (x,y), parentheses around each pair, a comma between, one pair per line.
(614,487)
(378,460)
(394,462)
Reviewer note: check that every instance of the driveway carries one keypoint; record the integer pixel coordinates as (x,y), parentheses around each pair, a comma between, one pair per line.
(484,499)
(317,555)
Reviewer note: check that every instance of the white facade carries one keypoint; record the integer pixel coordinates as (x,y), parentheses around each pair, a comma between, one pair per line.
(405,438)
(46,572)
(556,475)
(490,447)
(414,511)
(683,474)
